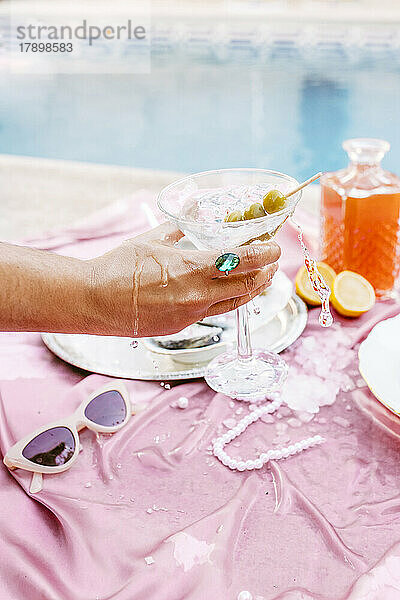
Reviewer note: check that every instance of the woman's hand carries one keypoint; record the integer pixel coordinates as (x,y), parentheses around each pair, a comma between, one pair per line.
(148,286)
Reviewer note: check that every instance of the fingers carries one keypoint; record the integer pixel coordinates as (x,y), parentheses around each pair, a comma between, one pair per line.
(240,284)
(227,305)
(253,256)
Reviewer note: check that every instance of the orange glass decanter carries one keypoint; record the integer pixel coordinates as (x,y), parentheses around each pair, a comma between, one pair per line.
(360,210)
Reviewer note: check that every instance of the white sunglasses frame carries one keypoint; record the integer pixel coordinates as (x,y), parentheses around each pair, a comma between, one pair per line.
(14,459)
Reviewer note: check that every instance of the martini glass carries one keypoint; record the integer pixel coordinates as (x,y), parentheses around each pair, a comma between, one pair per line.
(197,204)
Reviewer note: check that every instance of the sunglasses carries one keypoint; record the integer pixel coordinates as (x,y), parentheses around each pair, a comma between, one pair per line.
(55,447)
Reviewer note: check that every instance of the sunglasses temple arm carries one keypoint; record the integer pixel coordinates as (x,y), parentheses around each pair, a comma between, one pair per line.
(137,408)
(36,483)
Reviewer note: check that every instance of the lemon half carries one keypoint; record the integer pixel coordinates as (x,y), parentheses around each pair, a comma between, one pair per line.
(352,294)
(303,285)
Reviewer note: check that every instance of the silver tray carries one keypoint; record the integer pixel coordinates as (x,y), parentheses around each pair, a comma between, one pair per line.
(114,356)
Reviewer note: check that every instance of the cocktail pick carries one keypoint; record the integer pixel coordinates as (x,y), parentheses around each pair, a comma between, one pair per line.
(303,185)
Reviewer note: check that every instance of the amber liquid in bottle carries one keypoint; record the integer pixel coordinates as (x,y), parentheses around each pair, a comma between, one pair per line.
(360,210)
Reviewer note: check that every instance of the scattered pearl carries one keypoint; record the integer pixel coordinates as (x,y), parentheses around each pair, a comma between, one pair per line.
(244,595)
(149,560)
(167,386)
(182,402)
(149,511)
(88,485)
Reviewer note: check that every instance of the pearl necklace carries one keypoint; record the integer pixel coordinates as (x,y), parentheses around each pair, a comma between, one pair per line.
(258,463)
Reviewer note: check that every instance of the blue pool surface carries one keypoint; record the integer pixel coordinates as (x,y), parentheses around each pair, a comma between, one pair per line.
(288,111)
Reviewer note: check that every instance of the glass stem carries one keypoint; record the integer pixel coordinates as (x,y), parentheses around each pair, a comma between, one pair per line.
(244,348)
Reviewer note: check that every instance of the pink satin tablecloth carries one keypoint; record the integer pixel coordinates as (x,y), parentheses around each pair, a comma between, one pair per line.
(321,525)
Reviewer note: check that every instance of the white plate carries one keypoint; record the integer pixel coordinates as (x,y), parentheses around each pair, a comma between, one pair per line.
(379,362)
(115,357)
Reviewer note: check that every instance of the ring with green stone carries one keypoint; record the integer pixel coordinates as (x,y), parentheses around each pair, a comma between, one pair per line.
(227,262)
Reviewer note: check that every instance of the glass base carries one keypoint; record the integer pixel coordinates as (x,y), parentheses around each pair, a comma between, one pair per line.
(249,379)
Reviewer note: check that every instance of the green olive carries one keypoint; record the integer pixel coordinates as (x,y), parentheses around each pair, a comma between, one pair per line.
(274,201)
(235,215)
(254,211)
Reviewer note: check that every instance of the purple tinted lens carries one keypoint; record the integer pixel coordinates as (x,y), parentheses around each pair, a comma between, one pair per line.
(51,448)
(107,409)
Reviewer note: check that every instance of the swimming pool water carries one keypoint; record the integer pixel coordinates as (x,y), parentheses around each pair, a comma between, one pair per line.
(284,111)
